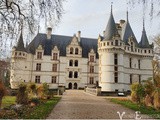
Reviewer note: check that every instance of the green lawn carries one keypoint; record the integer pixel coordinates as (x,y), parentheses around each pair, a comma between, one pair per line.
(40,111)
(8,100)
(43,110)
(143,109)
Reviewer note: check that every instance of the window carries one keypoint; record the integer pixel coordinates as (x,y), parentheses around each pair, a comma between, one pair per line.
(107,43)
(115,59)
(139,78)
(115,68)
(139,64)
(71,50)
(76,51)
(145,51)
(55,56)
(38,67)
(130,62)
(91,69)
(70,74)
(39,55)
(71,63)
(15,53)
(91,58)
(76,74)
(130,79)
(116,77)
(54,78)
(111,43)
(76,63)
(116,42)
(37,79)
(91,80)
(20,53)
(54,67)
(132,46)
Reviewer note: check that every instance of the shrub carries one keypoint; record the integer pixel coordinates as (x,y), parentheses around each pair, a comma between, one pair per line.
(32,90)
(138,92)
(22,95)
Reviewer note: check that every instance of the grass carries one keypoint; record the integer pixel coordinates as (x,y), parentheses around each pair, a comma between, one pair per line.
(8,100)
(43,110)
(40,111)
(143,109)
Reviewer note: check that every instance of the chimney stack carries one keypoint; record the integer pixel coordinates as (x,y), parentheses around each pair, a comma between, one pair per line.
(49,32)
(122,22)
(79,36)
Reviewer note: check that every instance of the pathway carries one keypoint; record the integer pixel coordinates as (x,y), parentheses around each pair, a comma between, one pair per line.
(76,104)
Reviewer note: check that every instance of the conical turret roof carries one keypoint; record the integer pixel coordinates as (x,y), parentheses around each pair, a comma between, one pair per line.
(20,44)
(110,30)
(144,40)
(127,32)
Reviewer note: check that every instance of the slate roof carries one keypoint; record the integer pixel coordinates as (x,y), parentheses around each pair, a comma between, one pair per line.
(20,44)
(61,42)
(111,29)
(144,40)
(127,33)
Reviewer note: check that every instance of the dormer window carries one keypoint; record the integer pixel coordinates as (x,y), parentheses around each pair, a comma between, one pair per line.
(76,51)
(91,58)
(39,55)
(71,50)
(55,56)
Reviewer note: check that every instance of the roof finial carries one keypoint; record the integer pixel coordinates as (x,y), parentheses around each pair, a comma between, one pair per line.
(127,14)
(143,23)
(111,7)
(127,11)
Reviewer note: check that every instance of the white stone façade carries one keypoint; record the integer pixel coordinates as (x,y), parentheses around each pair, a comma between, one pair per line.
(114,61)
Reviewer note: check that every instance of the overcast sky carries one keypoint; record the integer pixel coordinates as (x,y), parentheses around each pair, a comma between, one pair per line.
(91,17)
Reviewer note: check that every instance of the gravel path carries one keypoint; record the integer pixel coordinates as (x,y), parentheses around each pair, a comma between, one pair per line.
(76,104)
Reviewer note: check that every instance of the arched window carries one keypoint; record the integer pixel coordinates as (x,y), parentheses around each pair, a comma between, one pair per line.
(76,63)
(71,63)
(71,50)
(76,51)
(70,74)
(76,74)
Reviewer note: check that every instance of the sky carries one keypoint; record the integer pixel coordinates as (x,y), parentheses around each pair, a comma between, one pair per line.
(91,17)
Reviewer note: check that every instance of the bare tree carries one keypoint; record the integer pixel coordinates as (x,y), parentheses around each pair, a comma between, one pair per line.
(15,14)
(147,4)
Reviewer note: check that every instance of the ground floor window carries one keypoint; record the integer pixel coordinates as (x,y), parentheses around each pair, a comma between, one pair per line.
(91,80)
(37,79)
(54,79)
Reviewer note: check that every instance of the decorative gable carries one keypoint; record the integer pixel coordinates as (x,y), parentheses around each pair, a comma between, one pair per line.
(74,41)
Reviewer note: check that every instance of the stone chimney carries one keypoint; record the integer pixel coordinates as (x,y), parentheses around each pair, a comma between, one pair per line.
(49,32)
(121,22)
(79,36)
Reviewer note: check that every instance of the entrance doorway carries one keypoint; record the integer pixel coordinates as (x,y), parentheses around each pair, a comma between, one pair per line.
(75,85)
(70,85)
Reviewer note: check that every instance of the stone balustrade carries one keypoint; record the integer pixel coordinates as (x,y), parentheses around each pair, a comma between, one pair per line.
(94,91)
